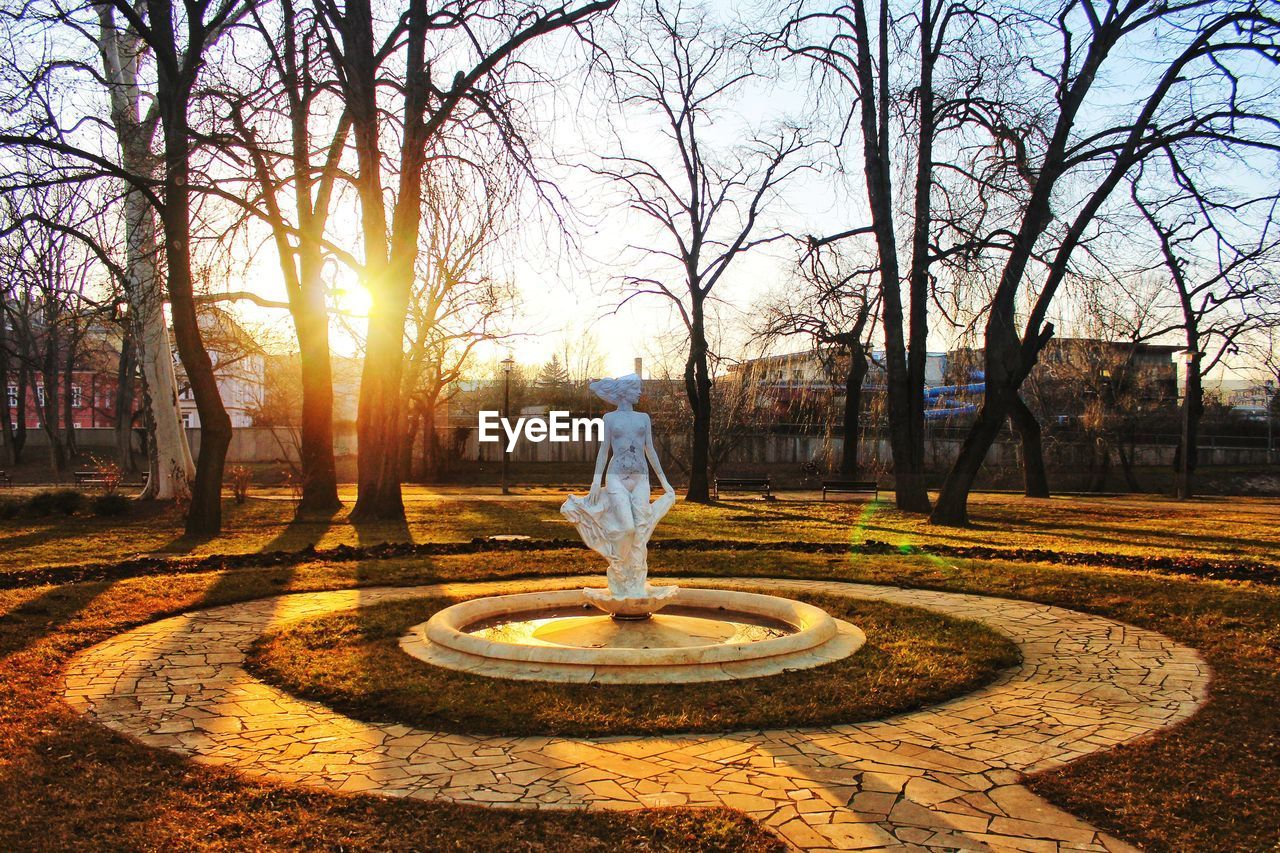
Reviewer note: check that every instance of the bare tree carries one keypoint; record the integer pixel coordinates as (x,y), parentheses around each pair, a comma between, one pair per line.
(740,409)
(834,307)
(181,51)
(579,354)
(433,110)
(11,407)
(135,117)
(1202,96)
(1221,274)
(705,204)
(66,52)
(180,44)
(49,275)
(909,83)
(292,185)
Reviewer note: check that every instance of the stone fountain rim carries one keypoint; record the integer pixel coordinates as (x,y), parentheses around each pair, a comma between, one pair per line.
(814,628)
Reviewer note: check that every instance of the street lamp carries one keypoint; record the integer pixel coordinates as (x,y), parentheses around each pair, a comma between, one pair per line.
(1268,399)
(507,364)
(1190,441)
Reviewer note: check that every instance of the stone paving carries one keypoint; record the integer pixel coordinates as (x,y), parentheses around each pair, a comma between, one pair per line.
(942,778)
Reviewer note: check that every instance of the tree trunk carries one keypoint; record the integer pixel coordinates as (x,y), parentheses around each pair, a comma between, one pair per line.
(303,272)
(174,90)
(1007,361)
(697,385)
(155,351)
(904,367)
(10,455)
(390,252)
(120,56)
(1035,478)
(912,482)
(123,408)
(319,470)
(412,422)
(1002,382)
(20,431)
(952,508)
(68,400)
(432,462)
(379,424)
(852,411)
(1126,467)
(50,375)
(1192,410)
(1103,469)
(172,450)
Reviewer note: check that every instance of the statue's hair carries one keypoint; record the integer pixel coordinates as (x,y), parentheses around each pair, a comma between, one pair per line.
(610,390)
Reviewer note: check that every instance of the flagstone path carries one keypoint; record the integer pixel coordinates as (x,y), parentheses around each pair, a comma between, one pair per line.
(941,778)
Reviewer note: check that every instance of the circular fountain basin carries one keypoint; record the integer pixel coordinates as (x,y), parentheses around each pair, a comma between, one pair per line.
(702,635)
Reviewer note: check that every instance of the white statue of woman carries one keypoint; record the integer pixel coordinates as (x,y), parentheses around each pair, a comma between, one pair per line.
(616,518)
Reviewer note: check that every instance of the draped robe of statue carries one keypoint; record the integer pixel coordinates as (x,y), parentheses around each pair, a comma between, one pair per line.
(616,518)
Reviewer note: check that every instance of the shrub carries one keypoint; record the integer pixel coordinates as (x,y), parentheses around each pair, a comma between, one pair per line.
(10,507)
(241,476)
(110,504)
(52,502)
(109,473)
(181,489)
(292,480)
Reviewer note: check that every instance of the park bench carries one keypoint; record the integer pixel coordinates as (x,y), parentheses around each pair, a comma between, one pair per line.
(95,478)
(744,484)
(857,487)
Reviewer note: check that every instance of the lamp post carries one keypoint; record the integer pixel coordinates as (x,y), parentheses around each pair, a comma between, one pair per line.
(507,364)
(1190,440)
(1268,399)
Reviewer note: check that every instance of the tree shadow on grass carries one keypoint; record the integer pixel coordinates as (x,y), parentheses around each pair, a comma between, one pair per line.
(1170,538)
(306,529)
(38,532)
(797,511)
(45,614)
(381,532)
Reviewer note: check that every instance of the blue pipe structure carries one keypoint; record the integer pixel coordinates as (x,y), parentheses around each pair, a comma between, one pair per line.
(941,397)
(944,402)
(949,390)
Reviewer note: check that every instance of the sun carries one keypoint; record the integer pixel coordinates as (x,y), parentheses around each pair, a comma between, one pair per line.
(352,300)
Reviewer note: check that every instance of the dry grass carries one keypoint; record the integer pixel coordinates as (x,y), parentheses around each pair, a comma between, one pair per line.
(1211,784)
(1209,527)
(352,661)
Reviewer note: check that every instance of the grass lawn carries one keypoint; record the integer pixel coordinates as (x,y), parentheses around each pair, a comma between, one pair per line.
(1210,527)
(1213,783)
(352,661)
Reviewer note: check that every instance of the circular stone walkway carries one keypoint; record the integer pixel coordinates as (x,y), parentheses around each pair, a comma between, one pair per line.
(944,777)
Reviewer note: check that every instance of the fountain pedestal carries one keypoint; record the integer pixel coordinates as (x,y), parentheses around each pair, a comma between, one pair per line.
(632,608)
